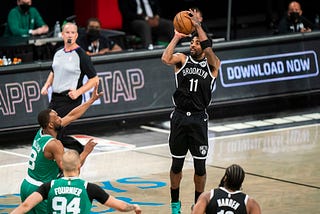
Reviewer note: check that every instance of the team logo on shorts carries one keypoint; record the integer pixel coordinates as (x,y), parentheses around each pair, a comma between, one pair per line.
(203,149)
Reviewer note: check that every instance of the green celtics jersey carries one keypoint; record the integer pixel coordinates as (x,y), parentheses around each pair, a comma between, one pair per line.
(39,167)
(69,196)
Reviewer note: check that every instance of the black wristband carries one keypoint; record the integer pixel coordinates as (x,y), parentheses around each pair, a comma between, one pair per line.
(205,44)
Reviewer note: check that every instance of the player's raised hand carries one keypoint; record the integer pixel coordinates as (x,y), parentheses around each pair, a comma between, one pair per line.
(95,94)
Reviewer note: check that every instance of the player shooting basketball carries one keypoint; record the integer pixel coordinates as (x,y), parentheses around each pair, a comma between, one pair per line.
(195,76)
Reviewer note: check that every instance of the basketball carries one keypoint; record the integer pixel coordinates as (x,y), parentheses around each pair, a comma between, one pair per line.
(182,23)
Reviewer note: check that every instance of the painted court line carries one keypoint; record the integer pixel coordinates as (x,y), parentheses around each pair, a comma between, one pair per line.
(248,124)
(235,135)
(220,128)
(13,165)
(313,115)
(259,123)
(239,126)
(155,129)
(297,118)
(264,131)
(166,144)
(278,121)
(14,153)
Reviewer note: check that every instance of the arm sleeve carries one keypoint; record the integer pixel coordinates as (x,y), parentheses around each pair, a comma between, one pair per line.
(44,190)
(96,192)
(86,64)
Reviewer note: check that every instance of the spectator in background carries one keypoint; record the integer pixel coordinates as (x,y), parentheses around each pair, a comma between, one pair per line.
(25,20)
(293,21)
(142,18)
(93,42)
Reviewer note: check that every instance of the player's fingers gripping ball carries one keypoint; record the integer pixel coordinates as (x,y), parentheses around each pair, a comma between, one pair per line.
(182,23)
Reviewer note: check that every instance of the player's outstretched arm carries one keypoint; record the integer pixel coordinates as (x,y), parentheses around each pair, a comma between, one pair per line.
(30,202)
(121,205)
(80,110)
(88,148)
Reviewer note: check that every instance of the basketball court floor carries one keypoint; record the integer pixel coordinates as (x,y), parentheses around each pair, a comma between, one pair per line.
(279,152)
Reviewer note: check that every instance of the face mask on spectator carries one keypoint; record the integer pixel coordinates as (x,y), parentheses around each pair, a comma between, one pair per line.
(294,16)
(24,7)
(93,34)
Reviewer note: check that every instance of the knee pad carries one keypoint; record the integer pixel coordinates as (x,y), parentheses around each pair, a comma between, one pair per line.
(199,167)
(177,165)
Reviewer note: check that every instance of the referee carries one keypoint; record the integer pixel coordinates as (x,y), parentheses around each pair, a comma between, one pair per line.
(69,67)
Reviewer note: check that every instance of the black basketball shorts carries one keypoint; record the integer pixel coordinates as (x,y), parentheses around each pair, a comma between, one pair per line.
(188,131)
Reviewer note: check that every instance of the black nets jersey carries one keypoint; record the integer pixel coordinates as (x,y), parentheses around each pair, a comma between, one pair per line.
(194,84)
(224,202)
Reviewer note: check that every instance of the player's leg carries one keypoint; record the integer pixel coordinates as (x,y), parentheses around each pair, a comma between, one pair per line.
(178,150)
(199,151)
(175,180)
(200,177)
